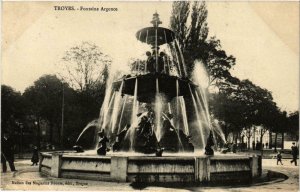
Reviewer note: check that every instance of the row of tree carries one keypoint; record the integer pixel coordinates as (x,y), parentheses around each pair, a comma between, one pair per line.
(59,104)
(239,105)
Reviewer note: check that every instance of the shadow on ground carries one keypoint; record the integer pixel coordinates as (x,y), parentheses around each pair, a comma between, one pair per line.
(268,177)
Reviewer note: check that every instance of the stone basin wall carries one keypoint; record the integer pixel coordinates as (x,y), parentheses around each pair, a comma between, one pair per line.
(202,169)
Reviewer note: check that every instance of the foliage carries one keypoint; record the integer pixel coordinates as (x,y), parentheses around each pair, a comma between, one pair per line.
(294,124)
(12,107)
(86,65)
(194,41)
(242,104)
(44,100)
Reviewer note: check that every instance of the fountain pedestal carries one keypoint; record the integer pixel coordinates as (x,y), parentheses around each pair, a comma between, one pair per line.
(118,169)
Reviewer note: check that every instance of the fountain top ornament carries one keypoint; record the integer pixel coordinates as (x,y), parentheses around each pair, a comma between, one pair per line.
(155,35)
(164,71)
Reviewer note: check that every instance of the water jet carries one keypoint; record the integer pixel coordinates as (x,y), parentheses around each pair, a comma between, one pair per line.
(157,121)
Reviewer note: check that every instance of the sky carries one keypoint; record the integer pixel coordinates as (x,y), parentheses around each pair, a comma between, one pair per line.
(264,38)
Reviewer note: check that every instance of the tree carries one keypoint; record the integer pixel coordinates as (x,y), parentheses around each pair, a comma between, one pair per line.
(294,124)
(195,44)
(12,107)
(85,65)
(243,105)
(44,100)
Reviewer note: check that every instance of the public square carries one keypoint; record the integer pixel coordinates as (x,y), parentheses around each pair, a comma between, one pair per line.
(160,96)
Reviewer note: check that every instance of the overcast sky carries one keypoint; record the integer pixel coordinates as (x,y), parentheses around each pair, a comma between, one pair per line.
(264,38)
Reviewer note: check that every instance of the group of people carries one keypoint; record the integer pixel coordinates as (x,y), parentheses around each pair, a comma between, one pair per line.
(156,62)
(258,145)
(295,152)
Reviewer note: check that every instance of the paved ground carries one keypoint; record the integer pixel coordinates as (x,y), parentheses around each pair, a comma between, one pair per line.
(28,177)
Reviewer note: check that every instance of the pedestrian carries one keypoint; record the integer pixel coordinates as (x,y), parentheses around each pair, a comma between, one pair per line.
(279,157)
(35,156)
(7,152)
(294,153)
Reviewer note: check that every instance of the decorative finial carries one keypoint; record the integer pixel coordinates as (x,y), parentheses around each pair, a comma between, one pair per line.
(155,20)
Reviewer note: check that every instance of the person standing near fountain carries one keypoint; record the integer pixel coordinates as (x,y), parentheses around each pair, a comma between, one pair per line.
(7,152)
(294,153)
(102,146)
(35,156)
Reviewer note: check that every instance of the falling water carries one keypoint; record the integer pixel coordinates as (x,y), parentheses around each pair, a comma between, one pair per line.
(169,107)
(200,76)
(200,128)
(172,59)
(177,102)
(106,113)
(219,131)
(116,107)
(89,125)
(158,112)
(104,108)
(184,117)
(204,108)
(181,56)
(178,65)
(134,104)
(122,112)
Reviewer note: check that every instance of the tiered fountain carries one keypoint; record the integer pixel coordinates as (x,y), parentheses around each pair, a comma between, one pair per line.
(157,123)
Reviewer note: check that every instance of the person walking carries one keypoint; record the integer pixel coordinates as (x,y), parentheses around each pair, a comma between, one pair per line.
(279,157)
(35,156)
(294,153)
(7,152)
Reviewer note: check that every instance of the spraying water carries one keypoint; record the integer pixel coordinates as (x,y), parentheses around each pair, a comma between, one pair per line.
(166,91)
(200,76)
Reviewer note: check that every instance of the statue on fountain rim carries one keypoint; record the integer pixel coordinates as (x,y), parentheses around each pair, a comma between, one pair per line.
(169,140)
(120,137)
(209,144)
(102,146)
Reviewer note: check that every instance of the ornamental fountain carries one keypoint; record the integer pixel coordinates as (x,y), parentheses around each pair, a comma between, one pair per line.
(156,122)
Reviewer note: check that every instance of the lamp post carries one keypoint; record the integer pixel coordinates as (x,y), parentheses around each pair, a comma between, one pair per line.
(62,116)
(37,124)
(21,139)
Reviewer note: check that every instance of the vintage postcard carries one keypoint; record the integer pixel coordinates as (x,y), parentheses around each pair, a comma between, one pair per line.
(150,95)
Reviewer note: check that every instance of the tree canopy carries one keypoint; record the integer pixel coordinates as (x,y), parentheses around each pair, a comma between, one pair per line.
(189,22)
(12,107)
(85,66)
